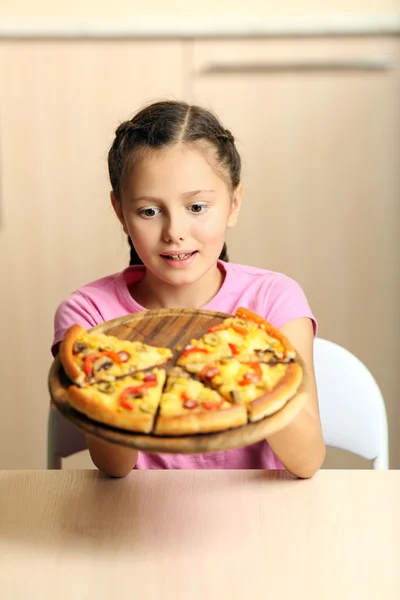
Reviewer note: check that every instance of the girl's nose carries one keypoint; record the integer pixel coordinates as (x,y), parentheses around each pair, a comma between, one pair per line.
(174,230)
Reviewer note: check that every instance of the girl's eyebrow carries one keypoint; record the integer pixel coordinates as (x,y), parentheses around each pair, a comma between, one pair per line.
(195,192)
(185,195)
(147,198)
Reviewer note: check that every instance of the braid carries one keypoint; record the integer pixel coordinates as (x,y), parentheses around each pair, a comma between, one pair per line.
(163,124)
(226,136)
(224,254)
(135,259)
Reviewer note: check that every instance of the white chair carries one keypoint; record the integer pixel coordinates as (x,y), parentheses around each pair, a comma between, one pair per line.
(352,408)
(63,439)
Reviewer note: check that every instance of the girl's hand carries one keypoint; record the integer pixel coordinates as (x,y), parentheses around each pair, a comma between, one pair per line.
(300,445)
(112,459)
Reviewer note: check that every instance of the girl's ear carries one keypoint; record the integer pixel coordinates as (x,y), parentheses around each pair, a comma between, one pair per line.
(118,211)
(235,205)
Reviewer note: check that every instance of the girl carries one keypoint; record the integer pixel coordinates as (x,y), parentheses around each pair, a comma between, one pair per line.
(176,188)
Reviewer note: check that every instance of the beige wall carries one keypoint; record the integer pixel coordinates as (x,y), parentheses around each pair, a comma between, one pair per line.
(128,8)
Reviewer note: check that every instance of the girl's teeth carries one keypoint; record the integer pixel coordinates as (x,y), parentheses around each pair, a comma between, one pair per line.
(180,256)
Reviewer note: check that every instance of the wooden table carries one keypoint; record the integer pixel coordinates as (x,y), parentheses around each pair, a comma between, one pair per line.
(200,534)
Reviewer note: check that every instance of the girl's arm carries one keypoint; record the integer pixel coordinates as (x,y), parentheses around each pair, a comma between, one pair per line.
(112,459)
(300,445)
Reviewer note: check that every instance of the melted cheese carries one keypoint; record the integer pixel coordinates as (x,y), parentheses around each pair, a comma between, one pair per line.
(141,356)
(172,403)
(232,372)
(148,403)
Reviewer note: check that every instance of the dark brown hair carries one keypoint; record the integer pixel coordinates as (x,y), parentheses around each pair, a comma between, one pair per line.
(164,124)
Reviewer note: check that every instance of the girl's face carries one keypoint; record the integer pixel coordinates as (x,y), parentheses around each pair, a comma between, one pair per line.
(176,208)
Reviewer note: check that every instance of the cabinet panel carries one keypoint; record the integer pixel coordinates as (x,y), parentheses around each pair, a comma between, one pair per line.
(317,124)
(60,103)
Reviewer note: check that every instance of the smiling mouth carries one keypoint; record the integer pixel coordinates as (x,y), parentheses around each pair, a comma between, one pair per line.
(178,256)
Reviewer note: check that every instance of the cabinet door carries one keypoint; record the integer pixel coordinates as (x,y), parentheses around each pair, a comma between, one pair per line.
(317,125)
(60,102)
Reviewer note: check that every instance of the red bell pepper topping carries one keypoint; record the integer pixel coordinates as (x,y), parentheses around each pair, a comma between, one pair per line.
(215,328)
(147,384)
(213,405)
(252,377)
(90,358)
(126,404)
(235,326)
(234,349)
(129,391)
(124,356)
(189,402)
(133,390)
(239,329)
(192,349)
(208,372)
(150,377)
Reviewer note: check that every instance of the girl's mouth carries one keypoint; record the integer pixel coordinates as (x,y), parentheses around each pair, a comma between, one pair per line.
(178,256)
(182,256)
(179,260)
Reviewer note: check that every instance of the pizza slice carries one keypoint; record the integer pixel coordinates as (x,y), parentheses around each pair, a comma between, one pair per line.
(130,403)
(210,347)
(89,357)
(245,336)
(263,342)
(262,388)
(189,407)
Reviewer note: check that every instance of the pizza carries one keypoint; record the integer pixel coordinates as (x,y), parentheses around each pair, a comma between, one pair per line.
(237,372)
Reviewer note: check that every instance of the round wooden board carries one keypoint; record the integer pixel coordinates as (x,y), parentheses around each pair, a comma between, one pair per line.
(173,328)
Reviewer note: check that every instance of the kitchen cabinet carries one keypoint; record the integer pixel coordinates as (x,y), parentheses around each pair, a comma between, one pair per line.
(60,102)
(318,128)
(317,123)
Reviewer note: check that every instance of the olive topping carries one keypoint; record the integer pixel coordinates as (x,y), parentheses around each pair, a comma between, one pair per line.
(79,347)
(211,339)
(106,387)
(102,364)
(178,372)
(241,322)
(225,361)
(235,395)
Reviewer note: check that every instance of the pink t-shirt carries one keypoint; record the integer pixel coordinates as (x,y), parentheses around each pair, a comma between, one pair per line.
(275,296)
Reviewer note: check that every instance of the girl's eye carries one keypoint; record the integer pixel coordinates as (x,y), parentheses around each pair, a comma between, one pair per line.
(149,213)
(198,208)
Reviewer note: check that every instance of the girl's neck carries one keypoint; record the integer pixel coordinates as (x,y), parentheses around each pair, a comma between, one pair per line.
(151,293)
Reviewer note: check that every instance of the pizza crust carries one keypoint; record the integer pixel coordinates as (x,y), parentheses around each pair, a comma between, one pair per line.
(67,354)
(205,422)
(245,313)
(273,401)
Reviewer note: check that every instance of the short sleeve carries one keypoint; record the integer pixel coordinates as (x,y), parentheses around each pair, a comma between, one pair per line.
(75,309)
(286,301)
